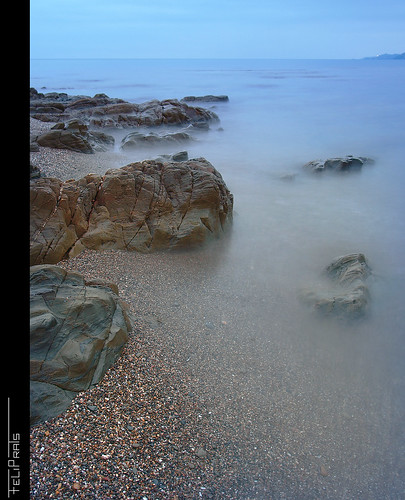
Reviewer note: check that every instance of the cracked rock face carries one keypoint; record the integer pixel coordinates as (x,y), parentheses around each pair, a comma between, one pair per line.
(349,296)
(77,330)
(145,206)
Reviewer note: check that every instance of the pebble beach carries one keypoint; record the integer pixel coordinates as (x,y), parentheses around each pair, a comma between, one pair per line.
(201,404)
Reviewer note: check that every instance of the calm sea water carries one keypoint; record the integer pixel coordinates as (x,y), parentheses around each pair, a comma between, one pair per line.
(280,115)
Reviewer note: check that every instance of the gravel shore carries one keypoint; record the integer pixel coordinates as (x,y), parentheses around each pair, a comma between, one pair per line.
(217,394)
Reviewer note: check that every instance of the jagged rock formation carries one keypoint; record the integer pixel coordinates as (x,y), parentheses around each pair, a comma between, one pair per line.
(78,330)
(103,111)
(145,206)
(350,296)
(346,164)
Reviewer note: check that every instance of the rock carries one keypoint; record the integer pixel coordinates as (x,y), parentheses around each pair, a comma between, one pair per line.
(74,135)
(136,140)
(34,171)
(323,471)
(48,401)
(346,164)
(34,147)
(349,269)
(77,331)
(180,156)
(64,139)
(103,111)
(206,98)
(201,453)
(350,296)
(145,206)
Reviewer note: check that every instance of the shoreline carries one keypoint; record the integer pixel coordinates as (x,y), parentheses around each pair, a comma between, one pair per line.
(156,427)
(173,417)
(214,394)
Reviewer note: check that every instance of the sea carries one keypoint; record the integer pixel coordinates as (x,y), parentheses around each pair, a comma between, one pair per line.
(289,225)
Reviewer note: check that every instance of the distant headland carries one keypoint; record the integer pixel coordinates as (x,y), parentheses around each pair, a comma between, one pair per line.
(388,56)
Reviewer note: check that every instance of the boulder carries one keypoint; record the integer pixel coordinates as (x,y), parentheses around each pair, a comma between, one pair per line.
(145,206)
(349,297)
(137,140)
(64,139)
(74,136)
(346,164)
(77,331)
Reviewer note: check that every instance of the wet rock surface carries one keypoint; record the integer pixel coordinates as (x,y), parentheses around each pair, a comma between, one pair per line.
(77,330)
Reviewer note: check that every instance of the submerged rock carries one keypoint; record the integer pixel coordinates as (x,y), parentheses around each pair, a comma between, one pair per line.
(77,331)
(350,296)
(145,206)
(206,98)
(346,164)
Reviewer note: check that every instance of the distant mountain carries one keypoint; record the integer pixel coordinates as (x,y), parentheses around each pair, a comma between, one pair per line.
(388,56)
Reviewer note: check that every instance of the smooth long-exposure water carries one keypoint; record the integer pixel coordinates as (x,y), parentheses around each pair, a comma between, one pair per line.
(332,391)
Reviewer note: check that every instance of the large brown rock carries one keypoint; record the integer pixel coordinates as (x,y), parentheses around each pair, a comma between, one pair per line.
(77,331)
(145,206)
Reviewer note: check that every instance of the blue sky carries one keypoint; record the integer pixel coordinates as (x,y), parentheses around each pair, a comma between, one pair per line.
(216,28)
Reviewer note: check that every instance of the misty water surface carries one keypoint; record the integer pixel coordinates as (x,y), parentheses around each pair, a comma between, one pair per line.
(347,377)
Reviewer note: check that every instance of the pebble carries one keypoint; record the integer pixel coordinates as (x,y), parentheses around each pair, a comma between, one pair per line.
(323,471)
(201,453)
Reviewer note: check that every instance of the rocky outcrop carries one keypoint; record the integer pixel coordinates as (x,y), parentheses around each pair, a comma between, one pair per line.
(346,164)
(137,140)
(206,98)
(103,111)
(349,296)
(77,331)
(145,206)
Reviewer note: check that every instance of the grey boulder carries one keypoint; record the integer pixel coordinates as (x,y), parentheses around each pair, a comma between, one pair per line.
(77,331)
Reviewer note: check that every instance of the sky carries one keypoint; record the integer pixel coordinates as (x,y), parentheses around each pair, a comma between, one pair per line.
(292,29)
